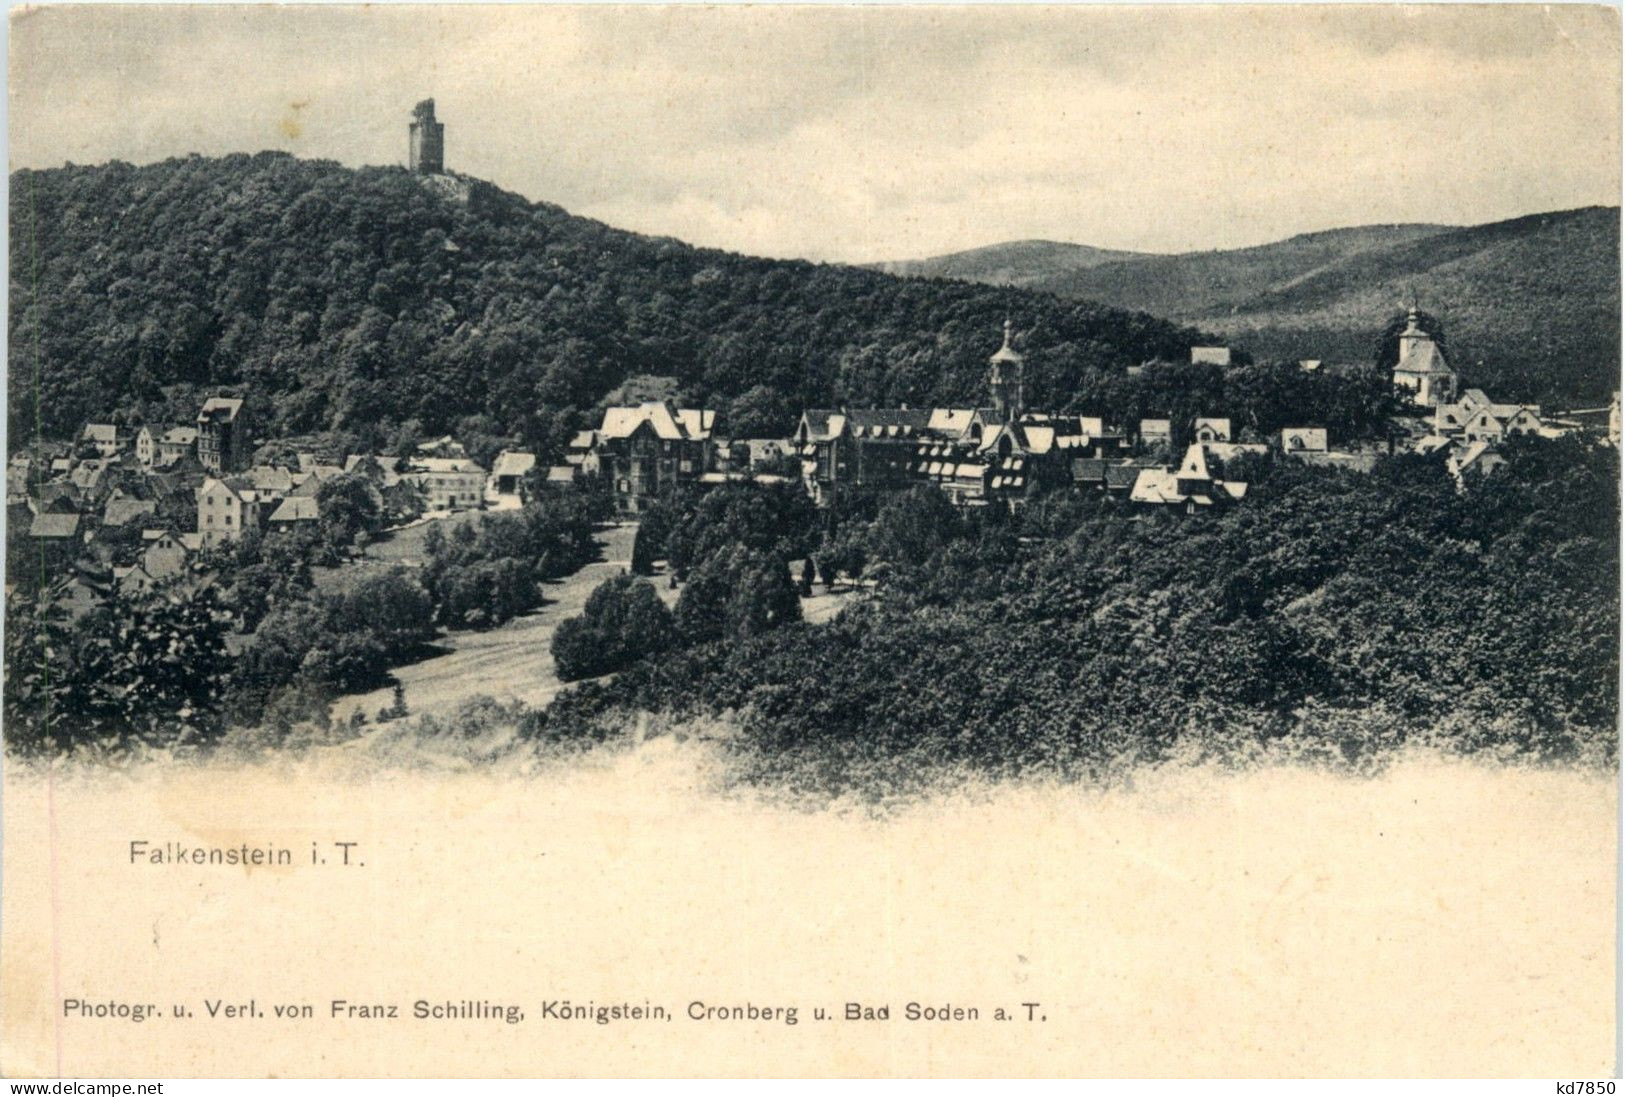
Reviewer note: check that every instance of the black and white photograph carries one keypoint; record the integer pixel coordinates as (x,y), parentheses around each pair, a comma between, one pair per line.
(775,541)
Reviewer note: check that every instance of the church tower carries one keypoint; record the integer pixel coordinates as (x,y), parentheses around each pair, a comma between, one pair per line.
(1006,380)
(426,148)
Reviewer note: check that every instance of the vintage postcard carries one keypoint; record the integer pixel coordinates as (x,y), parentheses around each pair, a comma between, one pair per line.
(773,541)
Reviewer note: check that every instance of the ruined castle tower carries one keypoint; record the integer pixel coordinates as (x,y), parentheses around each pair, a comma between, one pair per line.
(426,153)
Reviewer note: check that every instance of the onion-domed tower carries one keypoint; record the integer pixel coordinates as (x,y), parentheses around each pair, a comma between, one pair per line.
(1007,380)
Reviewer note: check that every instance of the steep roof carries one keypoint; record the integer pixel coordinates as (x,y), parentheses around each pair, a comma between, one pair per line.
(1418,353)
(121,512)
(223,408)
(513,463)
(54,526)
(296,508)
(100,432)
(1194,467)
(620,422)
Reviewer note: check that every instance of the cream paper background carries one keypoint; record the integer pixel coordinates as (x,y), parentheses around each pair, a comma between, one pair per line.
(1444,918)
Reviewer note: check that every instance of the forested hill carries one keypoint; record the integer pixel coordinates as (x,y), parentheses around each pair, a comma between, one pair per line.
(1530,306)
(368,300)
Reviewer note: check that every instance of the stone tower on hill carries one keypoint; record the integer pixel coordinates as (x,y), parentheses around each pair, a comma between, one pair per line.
(427,146)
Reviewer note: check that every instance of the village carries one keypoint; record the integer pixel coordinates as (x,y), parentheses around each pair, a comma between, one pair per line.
(140,507)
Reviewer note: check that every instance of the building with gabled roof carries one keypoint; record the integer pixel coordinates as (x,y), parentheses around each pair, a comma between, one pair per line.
(1192,486)
(1303,440)
(49,526)
(226,507)
(646,451)
(509,470)
(222,434)
(1421,369)
(293,510)
(1211,430)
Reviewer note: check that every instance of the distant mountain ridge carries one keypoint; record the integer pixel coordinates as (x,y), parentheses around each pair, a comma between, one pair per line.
(1018,263)
(1531,305)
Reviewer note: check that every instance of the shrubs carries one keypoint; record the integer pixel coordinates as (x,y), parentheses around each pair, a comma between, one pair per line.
(623,620)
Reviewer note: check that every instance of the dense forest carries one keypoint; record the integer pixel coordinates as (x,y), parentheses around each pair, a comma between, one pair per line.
(1533,303)
(370,300)
(1344,613)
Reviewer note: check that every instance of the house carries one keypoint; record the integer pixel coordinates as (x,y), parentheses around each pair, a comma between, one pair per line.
(293,510)
(1156,432)
(54,527)
(105,437)
(17,483)
(1229,451)
(90,477)
(1099,439)
(133,582)
(1303,440)
(225,508)
(1210,356)
(174,444)
(80,594)
(164,554)
(648,450)
(509,470)
(308,481)
(1474,460)
(146,446)
(1192,487)
(1120,479)
(1212,430)
(1421,369)
(447,483)
(121,511)
(222,435)
(445,448)
(1498,422)
(270,481)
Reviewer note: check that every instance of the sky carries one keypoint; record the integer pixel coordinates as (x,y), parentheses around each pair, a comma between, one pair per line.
(866,133)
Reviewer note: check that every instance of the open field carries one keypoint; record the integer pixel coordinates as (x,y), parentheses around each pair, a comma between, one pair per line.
(513,662)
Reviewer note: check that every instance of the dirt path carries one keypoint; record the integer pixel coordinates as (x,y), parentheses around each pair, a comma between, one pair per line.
(514,662)
(510,663)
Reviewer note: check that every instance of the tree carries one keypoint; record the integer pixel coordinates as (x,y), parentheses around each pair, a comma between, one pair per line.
(760,412)
(349,508)
(642,558)
(807,577)
(623,621)
(914,525)
(149,670)
(736,593)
